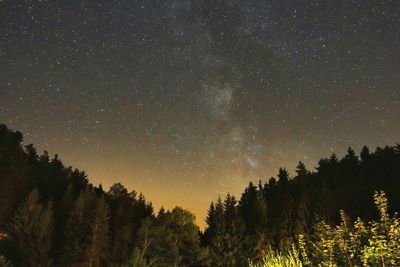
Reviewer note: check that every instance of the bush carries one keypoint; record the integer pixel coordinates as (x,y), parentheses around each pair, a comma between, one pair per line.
(4,262)
(273,258)
(376,243)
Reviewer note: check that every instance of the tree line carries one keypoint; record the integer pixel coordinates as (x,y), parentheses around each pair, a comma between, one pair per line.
(52,215)
(271,216)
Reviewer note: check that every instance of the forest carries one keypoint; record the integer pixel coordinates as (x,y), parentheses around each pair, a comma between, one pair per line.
(343,213)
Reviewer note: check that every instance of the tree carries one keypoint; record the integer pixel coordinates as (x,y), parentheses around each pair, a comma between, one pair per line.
(32,230)
(78,227)
(98,251)
(14,173)
(122,218)
(365,153)
(283,176)
(186,235)
(171,239)
(253,211)
(127,212)
(156,242)
(233,236)
(4,262)
(301,170)
(137,259)
(216,230)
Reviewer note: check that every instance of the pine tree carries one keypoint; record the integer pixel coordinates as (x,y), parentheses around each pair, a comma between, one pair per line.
(365,154)
(233,235)
(216,228)
(32,230)
(261,228)
(122,212)
(97,253)
(14,173)
(301,171)
(77,228)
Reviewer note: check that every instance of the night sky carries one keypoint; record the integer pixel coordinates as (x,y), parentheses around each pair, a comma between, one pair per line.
(187,100)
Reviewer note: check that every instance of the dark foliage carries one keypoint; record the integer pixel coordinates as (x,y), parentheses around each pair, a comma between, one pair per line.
(54,216)
(77,208)
(275,213)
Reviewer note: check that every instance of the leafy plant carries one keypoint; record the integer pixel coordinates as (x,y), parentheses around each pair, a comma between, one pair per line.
(3,261)
(376,243)
(291,258)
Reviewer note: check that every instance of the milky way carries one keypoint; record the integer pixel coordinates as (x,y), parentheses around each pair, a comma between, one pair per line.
(185,100)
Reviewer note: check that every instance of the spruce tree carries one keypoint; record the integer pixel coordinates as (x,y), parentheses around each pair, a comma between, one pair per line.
(32,230)
(216,227)
(97,253)
(122,211)
(233,237)
(77,228)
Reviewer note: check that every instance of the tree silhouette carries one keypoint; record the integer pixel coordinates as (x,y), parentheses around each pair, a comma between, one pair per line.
(84,225)
(78,228)
(98,250)
(32,229)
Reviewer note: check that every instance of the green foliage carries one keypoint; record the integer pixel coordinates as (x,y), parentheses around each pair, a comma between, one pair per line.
(383,246)
(303,251)
(14,173)
(156,243)
(78,227)
(171,239)
(269,217)
(98,249)
(32,229)
(226,233)
(290,258)
(137,259)
(376,243)
(3,261)
(127,211)
(216,230)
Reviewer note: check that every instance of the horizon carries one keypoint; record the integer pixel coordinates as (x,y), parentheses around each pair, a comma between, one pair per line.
(201,212)
(185,100)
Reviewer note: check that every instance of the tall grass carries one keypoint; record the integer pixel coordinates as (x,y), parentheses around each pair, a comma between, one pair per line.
(273,258)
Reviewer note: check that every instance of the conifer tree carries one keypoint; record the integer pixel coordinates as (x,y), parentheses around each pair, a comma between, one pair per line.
(301,170)
(233,234)
(32,230)
(98,251)
(206,238)
(14,173)
(261,234)
(216,227)
(77,228)
(122,211)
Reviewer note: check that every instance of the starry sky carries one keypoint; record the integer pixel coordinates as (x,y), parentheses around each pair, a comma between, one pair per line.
(187,100)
